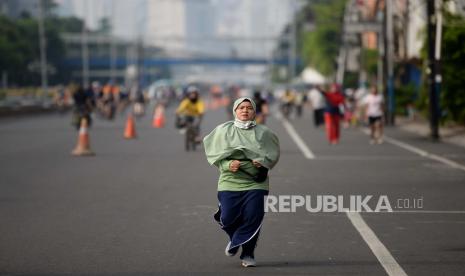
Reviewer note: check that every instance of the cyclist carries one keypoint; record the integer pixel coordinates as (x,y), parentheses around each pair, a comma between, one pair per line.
(192,108)
(84,103)
(287,102)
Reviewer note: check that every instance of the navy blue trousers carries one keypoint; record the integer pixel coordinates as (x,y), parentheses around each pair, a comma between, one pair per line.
(240,215)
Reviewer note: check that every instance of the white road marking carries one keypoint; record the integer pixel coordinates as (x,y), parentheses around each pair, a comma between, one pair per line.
(395,211)
(369,158)
(377,247)
(428,212)
(421,152)
(296,137)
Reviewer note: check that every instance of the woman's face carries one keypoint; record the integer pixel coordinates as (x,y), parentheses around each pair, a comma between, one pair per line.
(245,112)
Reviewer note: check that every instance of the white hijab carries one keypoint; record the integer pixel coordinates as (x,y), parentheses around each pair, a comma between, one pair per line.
(243,124)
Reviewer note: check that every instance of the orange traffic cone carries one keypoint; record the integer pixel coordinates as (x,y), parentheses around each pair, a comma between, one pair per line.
(130,131)
(159,117)
(83,146)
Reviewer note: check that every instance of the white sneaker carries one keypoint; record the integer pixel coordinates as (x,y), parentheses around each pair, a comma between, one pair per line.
(249,262)
(230,254)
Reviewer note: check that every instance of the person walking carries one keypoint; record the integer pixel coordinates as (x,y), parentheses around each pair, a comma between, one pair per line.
(84,103)
(243,152)
(374,112)
(318,103)
(334,99)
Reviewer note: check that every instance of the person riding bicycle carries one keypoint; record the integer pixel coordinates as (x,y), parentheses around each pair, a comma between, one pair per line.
(287,102)
(84,103)
(192,108)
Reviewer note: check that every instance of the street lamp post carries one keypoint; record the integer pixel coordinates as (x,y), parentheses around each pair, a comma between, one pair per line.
(113,52)
(389,57)
(85,50)
(434,29)
(293,43)
(43,53)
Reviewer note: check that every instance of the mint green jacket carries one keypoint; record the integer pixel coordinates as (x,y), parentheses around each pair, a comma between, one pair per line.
(238,181)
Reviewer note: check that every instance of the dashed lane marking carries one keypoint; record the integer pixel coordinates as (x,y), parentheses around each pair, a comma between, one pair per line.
(295,136)
(377,247)
(421,152)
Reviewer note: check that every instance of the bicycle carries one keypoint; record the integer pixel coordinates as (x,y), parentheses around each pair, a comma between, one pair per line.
(191,129)
(286,109)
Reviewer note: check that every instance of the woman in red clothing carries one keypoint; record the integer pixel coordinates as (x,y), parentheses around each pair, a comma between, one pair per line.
(334,98)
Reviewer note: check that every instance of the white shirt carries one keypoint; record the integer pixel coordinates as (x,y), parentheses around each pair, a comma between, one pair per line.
(317,99)
(374,105)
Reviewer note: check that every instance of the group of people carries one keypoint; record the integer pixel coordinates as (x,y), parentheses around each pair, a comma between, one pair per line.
(106,100)
(292,102)
(244,151)
(192,108)
(332,107)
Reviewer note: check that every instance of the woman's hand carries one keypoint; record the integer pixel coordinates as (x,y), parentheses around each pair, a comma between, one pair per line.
(234,165)
(256,164)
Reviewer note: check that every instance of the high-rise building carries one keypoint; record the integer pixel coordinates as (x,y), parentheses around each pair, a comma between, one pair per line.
(216,28)
(165,24)
(200,22)
(209,26)
(258,20)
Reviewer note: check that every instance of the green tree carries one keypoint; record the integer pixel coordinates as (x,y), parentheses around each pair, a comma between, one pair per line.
(453,71)
(15,50)
(319,47)
(19,48)
(452,98)
(65,24)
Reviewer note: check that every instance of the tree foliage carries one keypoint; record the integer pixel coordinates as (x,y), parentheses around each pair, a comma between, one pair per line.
(320,46)
(20,52)
(453,70)
(452,97)
(14,50)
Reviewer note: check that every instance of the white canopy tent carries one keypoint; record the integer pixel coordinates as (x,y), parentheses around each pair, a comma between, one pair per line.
(312,76)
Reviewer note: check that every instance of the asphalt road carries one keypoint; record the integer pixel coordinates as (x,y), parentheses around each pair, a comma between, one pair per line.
(144,206)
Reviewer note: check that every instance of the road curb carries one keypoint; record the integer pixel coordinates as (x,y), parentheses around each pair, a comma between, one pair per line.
(6,112)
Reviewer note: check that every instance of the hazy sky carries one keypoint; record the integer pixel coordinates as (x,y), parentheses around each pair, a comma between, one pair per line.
(217,18)
(125,13)
(247,18)
(129,14)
